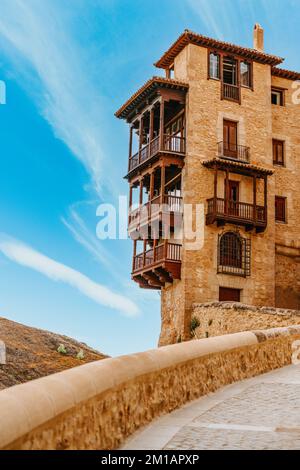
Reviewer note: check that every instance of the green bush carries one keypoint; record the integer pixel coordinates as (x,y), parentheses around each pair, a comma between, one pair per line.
(61,349)
(80,355)
(195,323)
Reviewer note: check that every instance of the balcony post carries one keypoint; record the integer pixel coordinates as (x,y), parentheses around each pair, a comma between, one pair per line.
(163,183)
(215,190)
(162,123)
(144,253)
(130,201)
(255,198)
(134,255)
(226,192)
(154,249)
(130,141)
(266,197)
(166,250)
(151,126)
(141,130)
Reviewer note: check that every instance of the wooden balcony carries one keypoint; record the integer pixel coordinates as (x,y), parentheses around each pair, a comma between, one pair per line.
(170,144)
(234,152)
(239,213)
(153,268)
(167,210)
(231,92)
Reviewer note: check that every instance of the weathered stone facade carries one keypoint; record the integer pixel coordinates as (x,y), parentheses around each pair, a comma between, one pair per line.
(275,253)
(217,318)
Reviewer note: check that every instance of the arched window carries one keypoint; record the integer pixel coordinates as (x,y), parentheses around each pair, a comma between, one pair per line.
(234,254)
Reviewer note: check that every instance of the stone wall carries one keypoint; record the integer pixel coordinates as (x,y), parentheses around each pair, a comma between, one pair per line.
(219,318)
(97,406)
(285,127)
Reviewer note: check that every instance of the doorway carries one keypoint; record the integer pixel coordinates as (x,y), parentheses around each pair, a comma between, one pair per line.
(233,197)
(230,139)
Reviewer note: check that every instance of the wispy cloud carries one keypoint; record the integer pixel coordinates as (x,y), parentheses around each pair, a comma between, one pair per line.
(88,240)
(39,35)
(26,256)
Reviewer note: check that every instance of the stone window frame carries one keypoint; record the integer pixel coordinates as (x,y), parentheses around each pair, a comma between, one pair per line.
(281,91)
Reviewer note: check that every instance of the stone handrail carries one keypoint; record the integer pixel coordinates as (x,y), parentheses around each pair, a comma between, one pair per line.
(98,405)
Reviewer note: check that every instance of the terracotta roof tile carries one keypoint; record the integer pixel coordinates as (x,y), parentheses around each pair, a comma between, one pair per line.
(289,74)
(235,164)
(188,37)
(145,90)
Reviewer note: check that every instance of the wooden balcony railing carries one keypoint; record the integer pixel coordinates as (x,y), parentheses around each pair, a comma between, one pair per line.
(231,92)
(148,212)
(164,252)
(169,143)
(240,211)
(234,152)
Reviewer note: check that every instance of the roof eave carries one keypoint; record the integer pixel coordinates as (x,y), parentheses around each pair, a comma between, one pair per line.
(188,37)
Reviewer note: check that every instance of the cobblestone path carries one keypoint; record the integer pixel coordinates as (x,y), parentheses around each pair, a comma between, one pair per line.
(259,413)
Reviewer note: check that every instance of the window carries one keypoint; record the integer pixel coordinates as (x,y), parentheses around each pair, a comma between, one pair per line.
(229,295)
(234,254)
(278,152)
(277,97)
(214,66)
(245,74)
(280,209)
(230,71)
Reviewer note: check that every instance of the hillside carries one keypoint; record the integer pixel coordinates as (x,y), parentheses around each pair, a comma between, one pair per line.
(32,353)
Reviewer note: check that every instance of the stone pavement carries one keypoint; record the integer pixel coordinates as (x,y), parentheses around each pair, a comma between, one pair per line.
(259,413)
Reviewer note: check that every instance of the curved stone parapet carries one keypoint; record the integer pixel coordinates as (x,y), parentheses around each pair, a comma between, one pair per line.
(98,405)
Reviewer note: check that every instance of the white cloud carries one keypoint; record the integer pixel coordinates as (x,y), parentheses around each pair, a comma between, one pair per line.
(38,35)
(26,256)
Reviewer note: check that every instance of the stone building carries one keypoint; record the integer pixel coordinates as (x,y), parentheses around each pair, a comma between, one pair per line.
(221,131)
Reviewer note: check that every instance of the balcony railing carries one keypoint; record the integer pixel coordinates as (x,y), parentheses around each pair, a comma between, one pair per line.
(149,211)
(165,252)
(169,143)
(235,211)
(231,92)
(234,152)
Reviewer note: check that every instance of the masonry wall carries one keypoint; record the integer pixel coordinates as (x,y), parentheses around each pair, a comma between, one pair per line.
(97,406)
(219,318)
(205,112)
(286,127)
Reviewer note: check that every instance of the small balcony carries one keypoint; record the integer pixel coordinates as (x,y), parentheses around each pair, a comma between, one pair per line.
(166,210)
(239,213)
(231,92)
(153,268)
(171,144)
(235,152)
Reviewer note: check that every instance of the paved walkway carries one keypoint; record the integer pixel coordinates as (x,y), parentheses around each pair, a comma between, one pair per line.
(259,413)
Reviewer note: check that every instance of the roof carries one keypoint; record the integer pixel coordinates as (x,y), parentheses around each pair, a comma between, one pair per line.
(188,37)
(235,165)
(289,74)
(146,90)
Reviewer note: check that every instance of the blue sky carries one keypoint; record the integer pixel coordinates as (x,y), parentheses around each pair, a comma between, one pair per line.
(68,65)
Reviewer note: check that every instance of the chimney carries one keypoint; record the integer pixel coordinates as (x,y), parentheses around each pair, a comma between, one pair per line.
(258,37)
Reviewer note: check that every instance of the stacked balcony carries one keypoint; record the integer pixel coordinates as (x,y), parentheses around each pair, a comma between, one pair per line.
(157,148)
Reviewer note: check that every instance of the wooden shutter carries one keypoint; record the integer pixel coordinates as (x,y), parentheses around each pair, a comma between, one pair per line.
(230,138)
(280,209)
(229,295)
(278,152)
